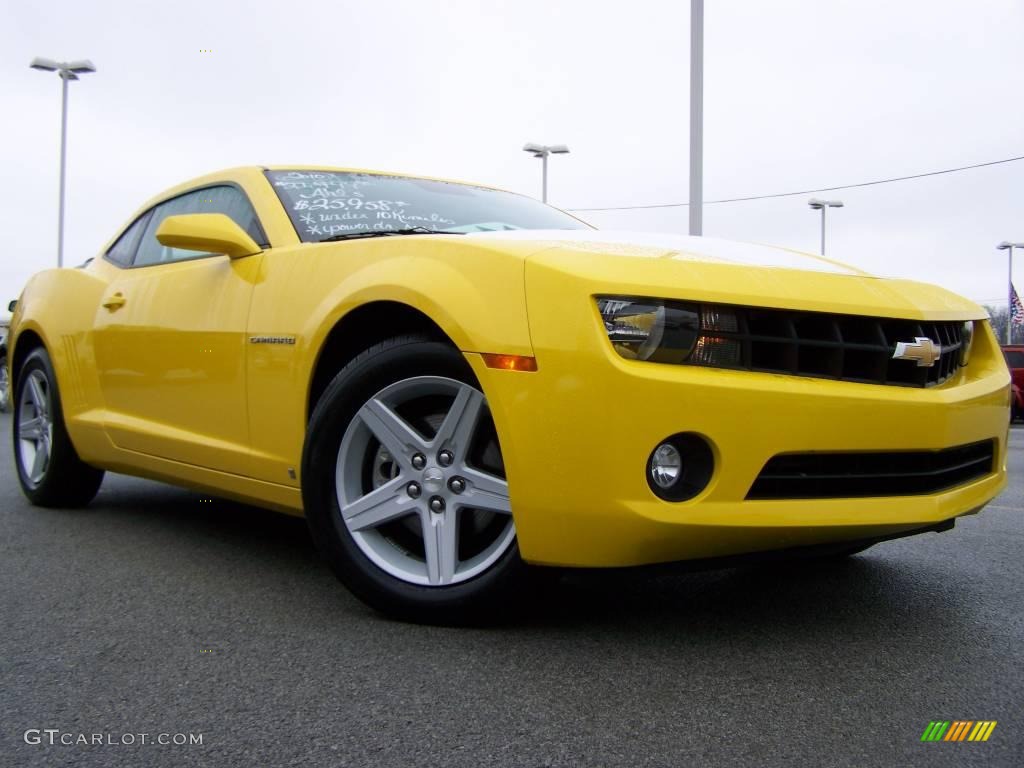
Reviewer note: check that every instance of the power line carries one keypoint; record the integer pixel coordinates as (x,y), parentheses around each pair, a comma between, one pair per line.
(805,191)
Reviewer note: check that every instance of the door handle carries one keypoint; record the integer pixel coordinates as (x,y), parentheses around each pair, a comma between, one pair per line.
(115,302)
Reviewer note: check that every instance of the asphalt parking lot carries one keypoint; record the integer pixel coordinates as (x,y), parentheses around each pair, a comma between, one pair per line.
(157,611)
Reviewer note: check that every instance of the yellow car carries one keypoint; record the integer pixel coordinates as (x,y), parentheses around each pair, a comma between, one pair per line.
(454,383)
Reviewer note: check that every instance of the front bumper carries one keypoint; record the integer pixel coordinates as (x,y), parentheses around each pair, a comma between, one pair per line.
(576,435)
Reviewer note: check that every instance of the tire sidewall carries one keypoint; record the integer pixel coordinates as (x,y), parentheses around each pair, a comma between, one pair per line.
(349,391)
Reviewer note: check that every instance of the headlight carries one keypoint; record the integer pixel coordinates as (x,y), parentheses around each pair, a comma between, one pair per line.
(645,329)
(670,331)
(966,340)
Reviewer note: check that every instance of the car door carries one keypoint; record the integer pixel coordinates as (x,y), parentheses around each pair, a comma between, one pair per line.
(170,336)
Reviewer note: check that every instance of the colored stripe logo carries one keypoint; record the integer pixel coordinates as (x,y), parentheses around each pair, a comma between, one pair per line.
(958,730)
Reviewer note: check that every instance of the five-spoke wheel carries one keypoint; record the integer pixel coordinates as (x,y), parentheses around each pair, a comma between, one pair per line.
(426,513)
(35,427)
(404,485)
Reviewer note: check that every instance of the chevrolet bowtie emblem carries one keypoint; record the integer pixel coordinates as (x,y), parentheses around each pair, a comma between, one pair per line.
(922,349)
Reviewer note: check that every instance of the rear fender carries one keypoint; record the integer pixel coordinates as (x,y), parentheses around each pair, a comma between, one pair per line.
(58,307)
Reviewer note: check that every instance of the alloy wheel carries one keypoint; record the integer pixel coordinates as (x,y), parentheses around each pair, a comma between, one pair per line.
(35,427)
(420,482)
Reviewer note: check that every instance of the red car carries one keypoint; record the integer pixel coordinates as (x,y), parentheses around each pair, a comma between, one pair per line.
(1015,361)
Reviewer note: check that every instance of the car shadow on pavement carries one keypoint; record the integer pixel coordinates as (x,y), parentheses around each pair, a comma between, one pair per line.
(232,523)
(821,592)
(892,580)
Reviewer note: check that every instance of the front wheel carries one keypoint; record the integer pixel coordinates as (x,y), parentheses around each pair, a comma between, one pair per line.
(404,486)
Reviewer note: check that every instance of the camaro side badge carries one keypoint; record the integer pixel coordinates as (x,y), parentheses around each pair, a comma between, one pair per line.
(922,349)
(271,339)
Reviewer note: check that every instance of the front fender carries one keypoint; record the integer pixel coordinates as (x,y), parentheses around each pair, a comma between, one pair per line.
(481,307)
(475,293)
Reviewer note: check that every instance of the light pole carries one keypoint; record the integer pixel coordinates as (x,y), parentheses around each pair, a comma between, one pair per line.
(823,205)
(696,117)
(542,151)
(1007,246)
(67,71)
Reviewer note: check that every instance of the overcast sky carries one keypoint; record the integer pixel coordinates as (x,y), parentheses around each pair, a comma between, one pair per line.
(799,94)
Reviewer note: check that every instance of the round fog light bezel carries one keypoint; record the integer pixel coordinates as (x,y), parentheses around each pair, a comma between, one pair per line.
(696,466)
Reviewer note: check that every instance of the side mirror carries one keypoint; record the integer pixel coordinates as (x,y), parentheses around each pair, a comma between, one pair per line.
(206,232)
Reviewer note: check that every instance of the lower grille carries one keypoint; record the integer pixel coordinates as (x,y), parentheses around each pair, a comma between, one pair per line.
(857,475)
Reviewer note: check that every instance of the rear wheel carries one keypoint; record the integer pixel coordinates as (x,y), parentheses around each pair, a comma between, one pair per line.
(404,485)
(49,470)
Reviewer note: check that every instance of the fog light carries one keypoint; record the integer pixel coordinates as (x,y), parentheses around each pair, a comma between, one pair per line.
(666,465)
(680,467)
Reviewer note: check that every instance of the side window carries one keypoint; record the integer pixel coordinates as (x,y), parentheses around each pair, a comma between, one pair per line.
(227,200)
(123,250)
(233,203)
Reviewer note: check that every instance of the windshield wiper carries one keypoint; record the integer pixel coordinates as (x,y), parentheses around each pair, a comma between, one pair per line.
(385,232)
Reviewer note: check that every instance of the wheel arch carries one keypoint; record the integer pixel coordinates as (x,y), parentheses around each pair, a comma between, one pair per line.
(54,310)
(358,330)
(27,340)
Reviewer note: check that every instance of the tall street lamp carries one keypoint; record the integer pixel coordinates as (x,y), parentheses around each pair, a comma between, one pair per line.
(1007,246)
(542,151)
(823,205)
(67,71)
(696,117)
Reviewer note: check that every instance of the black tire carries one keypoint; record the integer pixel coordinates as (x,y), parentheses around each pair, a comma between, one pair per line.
(494,591)
(66,481)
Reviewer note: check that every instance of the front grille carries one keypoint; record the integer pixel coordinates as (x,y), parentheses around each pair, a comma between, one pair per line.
(844,347)
(853,475)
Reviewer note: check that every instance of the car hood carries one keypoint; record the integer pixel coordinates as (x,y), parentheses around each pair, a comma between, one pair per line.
(716,271)
(665,245)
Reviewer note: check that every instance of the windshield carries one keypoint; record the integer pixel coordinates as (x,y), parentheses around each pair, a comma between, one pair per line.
(327,203)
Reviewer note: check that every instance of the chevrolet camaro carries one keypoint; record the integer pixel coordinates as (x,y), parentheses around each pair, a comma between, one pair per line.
(456,384)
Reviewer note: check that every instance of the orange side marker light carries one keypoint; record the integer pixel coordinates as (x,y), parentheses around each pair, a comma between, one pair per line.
(510,362)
